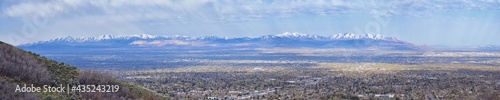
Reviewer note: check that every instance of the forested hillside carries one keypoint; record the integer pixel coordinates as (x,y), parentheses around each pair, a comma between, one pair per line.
(19,67)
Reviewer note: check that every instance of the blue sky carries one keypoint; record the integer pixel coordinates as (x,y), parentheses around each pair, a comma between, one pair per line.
(424,22)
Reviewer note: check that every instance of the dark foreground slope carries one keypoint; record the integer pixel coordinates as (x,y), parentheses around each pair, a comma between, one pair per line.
(18,67)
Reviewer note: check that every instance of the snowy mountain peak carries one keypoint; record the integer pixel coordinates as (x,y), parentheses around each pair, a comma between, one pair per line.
(374,36)
(297,35)
(142,36)
(294,34)
(104,37)
(356,36)
(64,38)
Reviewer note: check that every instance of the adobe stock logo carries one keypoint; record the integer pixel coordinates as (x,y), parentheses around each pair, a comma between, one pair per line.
(382,20)
(30,25)
(374,27)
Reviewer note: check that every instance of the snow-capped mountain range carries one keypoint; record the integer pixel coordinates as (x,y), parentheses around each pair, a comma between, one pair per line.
(295,35)
(287,39)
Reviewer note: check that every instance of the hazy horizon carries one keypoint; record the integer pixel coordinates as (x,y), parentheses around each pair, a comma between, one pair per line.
(424,22)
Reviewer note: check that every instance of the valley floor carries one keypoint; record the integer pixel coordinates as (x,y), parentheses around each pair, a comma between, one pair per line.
(324,81)
(307,73)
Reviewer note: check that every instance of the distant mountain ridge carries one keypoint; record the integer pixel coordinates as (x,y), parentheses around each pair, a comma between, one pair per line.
(282,35)
(287,39)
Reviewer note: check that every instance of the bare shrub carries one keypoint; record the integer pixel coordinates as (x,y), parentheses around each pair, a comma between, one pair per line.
(17,63)
(7,92)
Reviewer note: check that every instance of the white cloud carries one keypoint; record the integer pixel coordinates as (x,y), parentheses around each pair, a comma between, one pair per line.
(50,8)
(91,26)
(236,10)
